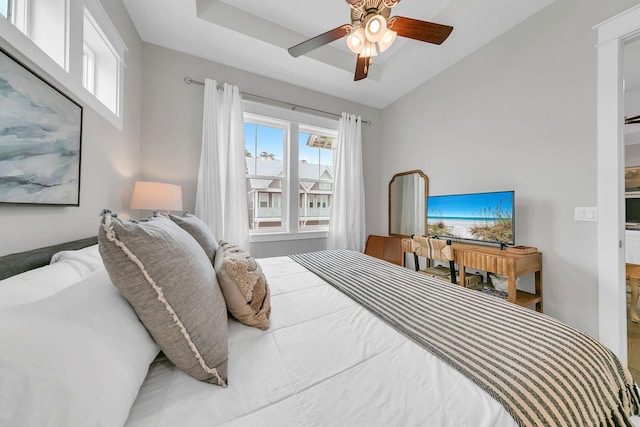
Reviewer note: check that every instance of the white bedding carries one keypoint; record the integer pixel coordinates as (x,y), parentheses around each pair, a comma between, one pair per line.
(325,361)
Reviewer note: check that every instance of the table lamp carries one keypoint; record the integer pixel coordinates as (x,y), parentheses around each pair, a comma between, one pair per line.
(156,196)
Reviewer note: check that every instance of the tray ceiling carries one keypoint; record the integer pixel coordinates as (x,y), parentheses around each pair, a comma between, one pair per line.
(253,36)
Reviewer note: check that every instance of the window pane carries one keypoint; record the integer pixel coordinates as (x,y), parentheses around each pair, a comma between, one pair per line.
(264,151)
(44,22)
(101,65)
(264,148)
(4,8)
(315,172)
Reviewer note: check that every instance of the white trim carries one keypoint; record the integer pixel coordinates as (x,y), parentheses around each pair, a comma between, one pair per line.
(106,29)
(278,237)
(88,68)
(300,117)
(611,254)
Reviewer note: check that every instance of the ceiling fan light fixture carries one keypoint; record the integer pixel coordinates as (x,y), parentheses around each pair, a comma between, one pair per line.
(369,50)
(387,40)
(375,27)
(356,40)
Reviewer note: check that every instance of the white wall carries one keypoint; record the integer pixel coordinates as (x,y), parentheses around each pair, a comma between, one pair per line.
(172,128)
(632,155)
(109,165)
(520,114)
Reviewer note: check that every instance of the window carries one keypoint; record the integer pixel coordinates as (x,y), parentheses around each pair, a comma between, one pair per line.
(101,67)
(88,39)
(264,153)
(287,159)
(44,22)
(315,175)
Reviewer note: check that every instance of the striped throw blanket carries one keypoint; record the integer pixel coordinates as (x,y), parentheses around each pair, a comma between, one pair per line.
(543,372)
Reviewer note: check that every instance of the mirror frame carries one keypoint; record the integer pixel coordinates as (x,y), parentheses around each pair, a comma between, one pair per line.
(426,193)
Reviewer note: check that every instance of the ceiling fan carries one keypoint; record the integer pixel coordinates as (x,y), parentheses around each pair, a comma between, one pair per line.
(631,120)
(371,24)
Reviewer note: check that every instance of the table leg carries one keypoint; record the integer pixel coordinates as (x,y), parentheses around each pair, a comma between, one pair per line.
(463,276)
(633,283)
(512,291)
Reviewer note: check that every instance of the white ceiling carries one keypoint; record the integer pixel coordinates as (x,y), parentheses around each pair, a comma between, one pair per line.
(253,35)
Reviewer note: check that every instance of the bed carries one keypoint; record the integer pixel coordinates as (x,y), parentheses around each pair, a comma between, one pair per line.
(325,360)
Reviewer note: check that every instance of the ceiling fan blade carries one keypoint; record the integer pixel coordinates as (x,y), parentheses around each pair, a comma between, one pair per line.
(317,41)
(420,30)
(362,68)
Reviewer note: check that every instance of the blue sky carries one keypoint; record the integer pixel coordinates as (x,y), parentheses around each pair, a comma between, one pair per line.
(468,205)
(270,139)
(3,7)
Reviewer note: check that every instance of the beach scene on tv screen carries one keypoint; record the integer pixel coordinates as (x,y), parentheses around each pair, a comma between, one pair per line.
(483,216)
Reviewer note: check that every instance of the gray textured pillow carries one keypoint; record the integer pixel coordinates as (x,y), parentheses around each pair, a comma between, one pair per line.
(167,278)
(244,286)
(199,231)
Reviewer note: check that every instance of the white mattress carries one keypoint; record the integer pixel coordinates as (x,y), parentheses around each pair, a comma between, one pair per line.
(325,361)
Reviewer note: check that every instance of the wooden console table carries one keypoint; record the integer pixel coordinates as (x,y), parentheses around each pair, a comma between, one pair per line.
(633,275)
(494,260)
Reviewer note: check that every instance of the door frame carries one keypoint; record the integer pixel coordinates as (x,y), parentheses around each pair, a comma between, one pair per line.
(612,317)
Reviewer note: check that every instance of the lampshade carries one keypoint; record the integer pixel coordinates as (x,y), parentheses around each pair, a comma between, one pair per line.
(156,196)
(375,28)
(386,41)
(356,40)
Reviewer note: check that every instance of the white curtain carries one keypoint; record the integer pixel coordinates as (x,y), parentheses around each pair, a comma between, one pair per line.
(346,224)
(221,194)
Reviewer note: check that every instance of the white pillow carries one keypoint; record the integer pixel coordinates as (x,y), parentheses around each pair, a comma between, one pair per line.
(76,358)
(40,282)
(89,257)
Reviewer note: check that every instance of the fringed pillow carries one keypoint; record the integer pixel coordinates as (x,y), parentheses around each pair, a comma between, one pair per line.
(199,231)
(168,279)
(244,285)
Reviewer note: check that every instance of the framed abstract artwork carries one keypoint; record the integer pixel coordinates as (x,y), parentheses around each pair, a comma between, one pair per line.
(40,139)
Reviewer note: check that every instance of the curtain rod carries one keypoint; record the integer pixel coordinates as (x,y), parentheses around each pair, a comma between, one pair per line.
(189,80)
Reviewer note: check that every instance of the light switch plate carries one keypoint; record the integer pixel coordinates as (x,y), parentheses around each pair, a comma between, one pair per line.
(586,214)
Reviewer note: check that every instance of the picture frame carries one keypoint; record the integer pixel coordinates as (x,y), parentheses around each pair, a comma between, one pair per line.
(40,139)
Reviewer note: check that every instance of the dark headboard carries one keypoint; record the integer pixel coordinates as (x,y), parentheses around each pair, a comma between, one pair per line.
(13,264)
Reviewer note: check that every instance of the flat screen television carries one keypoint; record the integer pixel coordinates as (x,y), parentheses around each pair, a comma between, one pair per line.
(482,217)
(632,211)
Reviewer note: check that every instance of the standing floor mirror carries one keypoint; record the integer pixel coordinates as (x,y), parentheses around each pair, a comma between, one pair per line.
(407,203)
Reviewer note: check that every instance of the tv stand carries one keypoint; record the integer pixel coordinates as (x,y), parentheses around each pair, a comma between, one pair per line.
(495,260)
